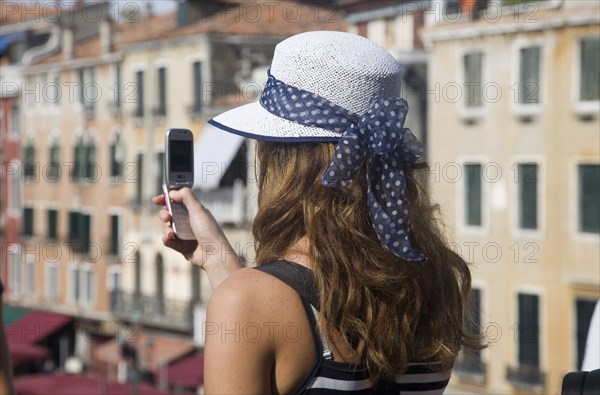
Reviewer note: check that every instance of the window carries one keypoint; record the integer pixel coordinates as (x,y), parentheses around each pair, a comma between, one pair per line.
(113,284)
(197,70)
(473,194)
(91,165)
(473,79)
(471,359)
(85,166)
(28,221)
(89,286)
(160,171)
(79,231)
(52,224)
(529,75)
(528,195)
(15,120)
(584,311)
(88,89)
(160,285)
(29,156)
(118,83)
(452,7)
(116,158)
(162,92)
(51,282)
(589,88)
(14,267)
(16,193)
(53,173)
(589,198)
(529,331)
(115,235)
(74,284)
(79,159)
(139,78)
(140,173)
(30,277)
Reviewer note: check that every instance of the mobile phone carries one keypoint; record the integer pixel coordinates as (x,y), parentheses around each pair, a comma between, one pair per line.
(179,173)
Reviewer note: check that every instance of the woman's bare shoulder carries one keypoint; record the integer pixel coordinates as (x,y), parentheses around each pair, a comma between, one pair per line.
(253,291)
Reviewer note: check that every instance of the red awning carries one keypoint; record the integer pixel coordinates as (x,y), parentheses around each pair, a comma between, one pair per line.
(188,372)
(34,326)
(24,352)
(76,384)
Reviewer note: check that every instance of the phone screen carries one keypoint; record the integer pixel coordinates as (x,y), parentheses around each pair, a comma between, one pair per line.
(181,156)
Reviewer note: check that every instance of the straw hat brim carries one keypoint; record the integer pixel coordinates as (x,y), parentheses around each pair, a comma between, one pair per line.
(255,122)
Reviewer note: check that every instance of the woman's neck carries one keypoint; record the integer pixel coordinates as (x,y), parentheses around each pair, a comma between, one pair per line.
(299,253)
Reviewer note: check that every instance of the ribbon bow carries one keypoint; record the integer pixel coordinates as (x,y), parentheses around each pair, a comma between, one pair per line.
(381,138)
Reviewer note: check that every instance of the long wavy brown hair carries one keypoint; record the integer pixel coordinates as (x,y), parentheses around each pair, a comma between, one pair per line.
(391,311)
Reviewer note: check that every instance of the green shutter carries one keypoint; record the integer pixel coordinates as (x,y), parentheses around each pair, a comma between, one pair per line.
(473,327)
(52,224)
(74,229)
(473,194)
(85,223)
(28,221)
(528,199)
(529,83)
(140,94)
(29,154)
(584,311)
(589,198)
(90,162)
(473,64)
(114,235)
(162,91)
(589,89)
(529,331)
(140,176)
(197,86)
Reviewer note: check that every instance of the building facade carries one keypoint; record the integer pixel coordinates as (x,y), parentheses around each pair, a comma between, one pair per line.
(514,152)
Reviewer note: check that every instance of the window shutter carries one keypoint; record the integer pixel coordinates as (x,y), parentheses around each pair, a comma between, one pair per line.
(114,235)
(528,182)
(529,328)
(197,86)
(52,224)
(589,198)
(473,194)
(589,89)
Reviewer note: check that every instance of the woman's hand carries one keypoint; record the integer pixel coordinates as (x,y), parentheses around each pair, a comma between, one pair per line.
(211,250)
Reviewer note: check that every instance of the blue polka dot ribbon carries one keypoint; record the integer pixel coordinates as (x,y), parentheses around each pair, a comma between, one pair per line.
(379,137)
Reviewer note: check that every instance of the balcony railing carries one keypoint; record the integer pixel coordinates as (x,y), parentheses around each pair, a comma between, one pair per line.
(152,310)
(526,376)
(469,367)
(227,205)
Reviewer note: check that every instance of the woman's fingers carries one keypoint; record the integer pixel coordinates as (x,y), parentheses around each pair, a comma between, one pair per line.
(186,196)
(159,200)
(164,215)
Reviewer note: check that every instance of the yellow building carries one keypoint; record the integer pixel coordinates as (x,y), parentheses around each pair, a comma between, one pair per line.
(514,150)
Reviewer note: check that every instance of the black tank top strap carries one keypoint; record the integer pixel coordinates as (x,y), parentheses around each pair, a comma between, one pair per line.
(299,277)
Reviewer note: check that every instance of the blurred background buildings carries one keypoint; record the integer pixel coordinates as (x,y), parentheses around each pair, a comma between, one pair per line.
(504,93)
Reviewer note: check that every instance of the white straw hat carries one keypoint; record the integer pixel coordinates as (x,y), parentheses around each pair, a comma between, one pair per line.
(347,70)
(340,87)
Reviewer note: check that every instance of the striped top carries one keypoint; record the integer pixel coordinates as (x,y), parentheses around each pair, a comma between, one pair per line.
(330,377)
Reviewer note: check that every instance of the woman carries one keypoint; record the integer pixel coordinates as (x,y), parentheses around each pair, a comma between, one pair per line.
(356,290)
